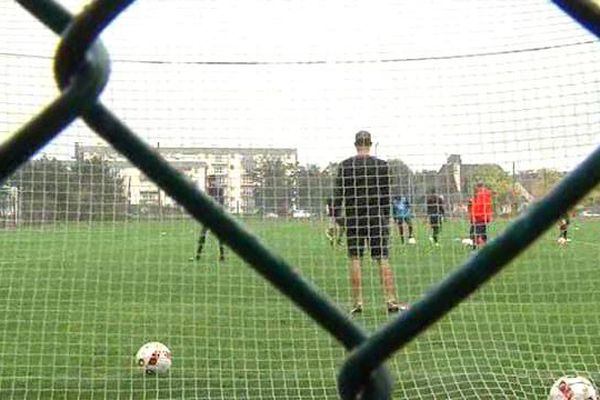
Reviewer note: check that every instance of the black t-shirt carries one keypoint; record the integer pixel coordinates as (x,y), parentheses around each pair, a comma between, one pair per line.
(362,187)
(331,212)
(435,205)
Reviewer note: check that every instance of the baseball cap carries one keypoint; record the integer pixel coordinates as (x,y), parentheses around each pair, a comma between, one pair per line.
(362,138)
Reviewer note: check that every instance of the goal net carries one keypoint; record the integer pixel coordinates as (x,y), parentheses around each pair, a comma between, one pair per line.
(257,103)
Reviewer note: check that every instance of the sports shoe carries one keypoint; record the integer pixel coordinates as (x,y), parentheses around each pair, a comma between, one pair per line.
(329,235)
(394,307)
(357,309)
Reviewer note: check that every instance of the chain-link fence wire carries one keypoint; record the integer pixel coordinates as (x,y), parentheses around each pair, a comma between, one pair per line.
(82,70)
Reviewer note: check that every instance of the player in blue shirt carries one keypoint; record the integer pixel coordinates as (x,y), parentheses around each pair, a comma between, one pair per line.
(402,214)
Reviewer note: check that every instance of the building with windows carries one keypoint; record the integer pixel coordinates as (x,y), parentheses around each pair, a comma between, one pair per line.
(233,167)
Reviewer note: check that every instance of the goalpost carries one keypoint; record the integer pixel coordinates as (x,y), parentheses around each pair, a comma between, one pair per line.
(10,207)
(263,100)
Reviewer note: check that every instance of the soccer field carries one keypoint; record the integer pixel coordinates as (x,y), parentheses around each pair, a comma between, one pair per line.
(79,300)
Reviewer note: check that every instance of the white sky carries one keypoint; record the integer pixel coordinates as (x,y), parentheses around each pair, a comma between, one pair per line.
(495,81)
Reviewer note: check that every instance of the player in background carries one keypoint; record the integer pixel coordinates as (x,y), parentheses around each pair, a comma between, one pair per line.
(563,227)
(216,191)
(362,190)
(481,214)
(435,214)
(336,227)
(471,222)
(402,214)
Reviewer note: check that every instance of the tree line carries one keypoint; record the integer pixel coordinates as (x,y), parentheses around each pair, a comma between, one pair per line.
(51,190)
(282,187)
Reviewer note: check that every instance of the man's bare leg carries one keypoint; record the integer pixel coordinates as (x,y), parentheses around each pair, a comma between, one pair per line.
(356,281)
(389,287)
(387,280)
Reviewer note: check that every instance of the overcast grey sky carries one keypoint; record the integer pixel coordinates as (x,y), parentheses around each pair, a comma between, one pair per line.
(494,81)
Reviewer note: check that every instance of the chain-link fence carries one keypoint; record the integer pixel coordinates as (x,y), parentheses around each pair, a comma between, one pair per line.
(82,71)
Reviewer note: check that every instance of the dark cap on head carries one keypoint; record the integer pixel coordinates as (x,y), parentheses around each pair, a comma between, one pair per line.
(362,138)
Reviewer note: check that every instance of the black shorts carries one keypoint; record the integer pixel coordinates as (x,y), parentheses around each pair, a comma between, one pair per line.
(372,230)
(435,220)
(480,229)
(403,220)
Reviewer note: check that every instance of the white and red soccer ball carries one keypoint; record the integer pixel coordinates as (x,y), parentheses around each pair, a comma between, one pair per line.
(154,358)
(573,388)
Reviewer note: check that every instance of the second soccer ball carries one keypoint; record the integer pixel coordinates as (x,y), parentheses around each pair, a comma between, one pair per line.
(467,242)
(573,388)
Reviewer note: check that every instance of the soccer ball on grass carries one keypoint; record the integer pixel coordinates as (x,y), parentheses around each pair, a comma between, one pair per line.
(154,358)
(467,242)
(573,388)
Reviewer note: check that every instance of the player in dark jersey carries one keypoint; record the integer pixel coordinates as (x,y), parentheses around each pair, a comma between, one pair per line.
(563,227)
(435,213)
(214,190)
(362,190)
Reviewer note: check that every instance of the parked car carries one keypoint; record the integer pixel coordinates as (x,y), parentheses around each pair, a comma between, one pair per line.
(590,213)
(300,214)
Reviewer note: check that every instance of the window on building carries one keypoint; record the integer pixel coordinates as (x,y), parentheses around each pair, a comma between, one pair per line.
(247,180)
(149,197)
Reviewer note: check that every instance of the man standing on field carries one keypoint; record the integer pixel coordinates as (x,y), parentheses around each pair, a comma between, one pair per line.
(214,190)
(402,213)
(435,213)
(335,229)
(362,189)
(481,213)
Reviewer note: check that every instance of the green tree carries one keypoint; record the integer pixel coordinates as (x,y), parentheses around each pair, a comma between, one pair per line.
(275,182)
(424,182)
(52,190)
(547,179)
(402,178)
(43,187)
(310,191)
(96,190)
(494,178)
